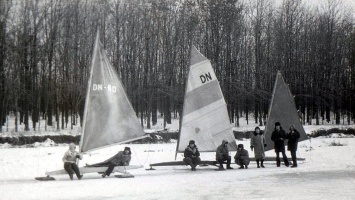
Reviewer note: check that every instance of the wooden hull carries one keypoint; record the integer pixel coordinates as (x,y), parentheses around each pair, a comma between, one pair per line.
(207,162)
(85,170)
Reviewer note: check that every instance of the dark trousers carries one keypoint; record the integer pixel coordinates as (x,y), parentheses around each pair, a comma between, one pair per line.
(242,162)
(294,158)
(111,167)
(278,162)
(225,158)
(72,168)
(192,161)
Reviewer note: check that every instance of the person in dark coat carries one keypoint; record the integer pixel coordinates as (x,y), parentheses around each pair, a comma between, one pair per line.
(122,158)
(293,135)
(192,155)
(222,154)
(278,136)
(69,160)
(258,144)
(242,157)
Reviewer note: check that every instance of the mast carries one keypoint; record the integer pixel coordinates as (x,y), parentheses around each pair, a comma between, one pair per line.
(183,106)
(89,89)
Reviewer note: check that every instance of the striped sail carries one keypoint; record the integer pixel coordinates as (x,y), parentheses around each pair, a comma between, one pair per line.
(205,117)
(282,109)
(108,117)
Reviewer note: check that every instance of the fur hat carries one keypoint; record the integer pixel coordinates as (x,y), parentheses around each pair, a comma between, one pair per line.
(240,146)
(127,148)
(277,124)
(192,142)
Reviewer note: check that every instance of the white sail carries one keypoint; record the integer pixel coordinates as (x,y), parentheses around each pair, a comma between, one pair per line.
(108,117)
(205,117)
(282,109)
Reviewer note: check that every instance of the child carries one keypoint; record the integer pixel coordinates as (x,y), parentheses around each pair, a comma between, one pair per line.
(69,160)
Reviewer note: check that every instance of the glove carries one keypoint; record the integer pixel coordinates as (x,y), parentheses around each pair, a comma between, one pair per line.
(251,147)
(265,145)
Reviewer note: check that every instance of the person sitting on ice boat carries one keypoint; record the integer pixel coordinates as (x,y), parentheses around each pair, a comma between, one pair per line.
(69,160)
(242,157)
(192,155)
(222,154)
(122,158)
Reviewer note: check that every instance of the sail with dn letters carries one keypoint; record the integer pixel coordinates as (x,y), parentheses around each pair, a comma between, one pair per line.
(204,118)
(109,118)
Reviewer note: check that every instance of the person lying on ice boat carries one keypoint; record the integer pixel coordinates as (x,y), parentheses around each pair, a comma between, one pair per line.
(122,158)
(69,160)
(242,157)
(192,155)
(222,154)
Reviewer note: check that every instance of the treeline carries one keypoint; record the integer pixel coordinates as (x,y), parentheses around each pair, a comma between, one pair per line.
(46,47)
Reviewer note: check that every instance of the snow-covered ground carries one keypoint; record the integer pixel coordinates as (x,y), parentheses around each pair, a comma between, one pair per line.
(327,173)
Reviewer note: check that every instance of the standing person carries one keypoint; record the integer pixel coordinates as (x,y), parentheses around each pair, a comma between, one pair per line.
(69,160)
(192,155)
(122,158)
(293,135)
(279,136)
(242,157)
(258,143)
(222,154)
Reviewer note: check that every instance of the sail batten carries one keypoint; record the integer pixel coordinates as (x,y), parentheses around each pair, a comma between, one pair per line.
(109,117)
(204,118)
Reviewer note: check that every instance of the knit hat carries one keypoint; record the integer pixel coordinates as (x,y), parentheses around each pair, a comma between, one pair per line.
(127,148)
(277,124)
(240,146)
(192,142)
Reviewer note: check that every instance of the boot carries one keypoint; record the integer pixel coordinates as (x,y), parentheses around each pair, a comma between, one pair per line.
(80,177)
(257,163)
(241,167)
(294,162)
(103,175)
(278,162)
(246,166)
(221,167)
(71,176)
(229,167)
(262,164)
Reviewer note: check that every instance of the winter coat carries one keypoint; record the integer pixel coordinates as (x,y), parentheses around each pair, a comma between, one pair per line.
(242,155)
(258,142)
(279,137)
(71,156)
(222,151)
(292,137)
(190,152)
(120,159)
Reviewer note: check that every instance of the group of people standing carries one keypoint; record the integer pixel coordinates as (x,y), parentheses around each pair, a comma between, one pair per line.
(257,144)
